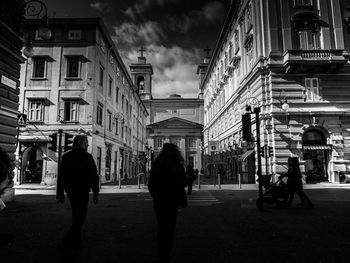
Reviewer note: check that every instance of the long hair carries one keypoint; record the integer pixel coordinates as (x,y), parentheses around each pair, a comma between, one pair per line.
(293,166)
(169,157)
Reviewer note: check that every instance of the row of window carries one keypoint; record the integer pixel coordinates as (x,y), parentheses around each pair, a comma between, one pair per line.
(190,142)
(73,69)
(36,110)
(71,35)
(232,114)
(308,37)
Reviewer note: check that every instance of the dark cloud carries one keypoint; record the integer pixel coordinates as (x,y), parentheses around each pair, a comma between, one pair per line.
(131,35)
(101,7)
(141,6)
(210,13)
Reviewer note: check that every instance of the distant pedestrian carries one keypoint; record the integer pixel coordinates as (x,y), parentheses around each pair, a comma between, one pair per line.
(166,185)
(6,176)
(190,176)
(295,184)
(77,175)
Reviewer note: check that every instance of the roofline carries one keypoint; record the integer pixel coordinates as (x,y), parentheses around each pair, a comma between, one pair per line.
(227,23)
(98,21)
(176,118)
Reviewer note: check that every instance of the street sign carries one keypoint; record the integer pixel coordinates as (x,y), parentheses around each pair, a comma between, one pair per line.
(22,120)
(213,146)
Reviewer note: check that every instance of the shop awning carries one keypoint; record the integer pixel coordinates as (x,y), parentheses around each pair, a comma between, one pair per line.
(245,155)
(317,147)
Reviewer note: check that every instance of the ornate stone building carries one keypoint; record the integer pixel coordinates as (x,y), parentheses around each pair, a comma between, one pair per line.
(291,59)
(174,119)
(76,82)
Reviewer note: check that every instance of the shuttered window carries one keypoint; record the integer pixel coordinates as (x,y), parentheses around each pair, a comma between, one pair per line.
(312,89)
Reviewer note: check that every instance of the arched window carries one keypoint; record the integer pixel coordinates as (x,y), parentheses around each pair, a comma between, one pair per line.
(141,84)
(314,137)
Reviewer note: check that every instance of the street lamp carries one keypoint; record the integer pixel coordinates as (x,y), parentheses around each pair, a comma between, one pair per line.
(254,102)
(32,9)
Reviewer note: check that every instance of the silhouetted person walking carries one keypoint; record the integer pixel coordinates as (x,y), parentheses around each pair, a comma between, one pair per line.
(294,183)
(6,175)
(166,185)
(190,176)
(77,175)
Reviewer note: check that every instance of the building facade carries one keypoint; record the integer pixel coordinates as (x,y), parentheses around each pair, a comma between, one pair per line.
(174,119)
(290,60)
(11,15)
(77,83)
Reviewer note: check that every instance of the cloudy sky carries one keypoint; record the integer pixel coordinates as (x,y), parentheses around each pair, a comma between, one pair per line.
(174,33)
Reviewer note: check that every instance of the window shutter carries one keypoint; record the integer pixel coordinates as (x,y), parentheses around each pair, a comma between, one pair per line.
(61,111)
(308,90)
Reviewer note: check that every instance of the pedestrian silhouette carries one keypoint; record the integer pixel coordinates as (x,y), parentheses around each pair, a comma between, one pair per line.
(166,185)
(295,184)
(6,176)
(190,176)
(77,175)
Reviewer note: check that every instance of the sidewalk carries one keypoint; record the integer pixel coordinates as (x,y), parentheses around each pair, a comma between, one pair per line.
(112,188)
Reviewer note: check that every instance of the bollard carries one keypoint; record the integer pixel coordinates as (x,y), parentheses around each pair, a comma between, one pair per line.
(138,181)
(120,182)
(219,183)
(239,181)
(199,181)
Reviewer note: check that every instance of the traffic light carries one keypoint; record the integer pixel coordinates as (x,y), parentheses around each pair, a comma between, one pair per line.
(246,127)
(53,142)
(68,142)
(270,151)
(262,151)
(152,155)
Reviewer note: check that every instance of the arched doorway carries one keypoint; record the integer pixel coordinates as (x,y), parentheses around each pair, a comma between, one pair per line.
(32,165)
(316,155)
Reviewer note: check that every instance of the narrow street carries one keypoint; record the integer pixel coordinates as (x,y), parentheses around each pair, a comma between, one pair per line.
(218,226)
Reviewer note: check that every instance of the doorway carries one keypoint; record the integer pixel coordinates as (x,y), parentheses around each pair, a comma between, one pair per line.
(316,156)
(32,169)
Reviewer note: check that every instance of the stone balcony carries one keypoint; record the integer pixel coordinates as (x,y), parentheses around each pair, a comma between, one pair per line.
(321,60)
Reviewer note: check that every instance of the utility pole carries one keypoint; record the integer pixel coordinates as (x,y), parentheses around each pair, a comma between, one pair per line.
(60,132)
(257,122)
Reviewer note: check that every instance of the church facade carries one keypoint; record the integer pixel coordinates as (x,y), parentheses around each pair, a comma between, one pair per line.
(174,119)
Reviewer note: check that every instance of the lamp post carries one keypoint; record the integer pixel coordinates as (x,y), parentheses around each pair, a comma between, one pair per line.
(36,9)
(253,102)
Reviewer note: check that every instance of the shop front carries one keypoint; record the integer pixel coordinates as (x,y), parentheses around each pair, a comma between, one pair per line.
(316,155)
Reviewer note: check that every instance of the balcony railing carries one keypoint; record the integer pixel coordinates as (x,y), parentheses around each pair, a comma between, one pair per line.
(305,55)
(296,60)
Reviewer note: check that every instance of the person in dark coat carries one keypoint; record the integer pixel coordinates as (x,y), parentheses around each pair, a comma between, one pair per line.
(166,185)
(190,175)
(77,175)
(295,184)
(6,171)
(6,176)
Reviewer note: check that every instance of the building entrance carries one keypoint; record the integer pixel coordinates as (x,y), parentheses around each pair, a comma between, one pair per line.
(32,165)
(316,156)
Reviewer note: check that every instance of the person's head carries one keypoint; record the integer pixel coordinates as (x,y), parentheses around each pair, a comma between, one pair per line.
(6,170)
(190,166)
(293,163)
(80,141)
(169,154)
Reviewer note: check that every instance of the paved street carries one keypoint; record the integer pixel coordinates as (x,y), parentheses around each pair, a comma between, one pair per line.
(218,226)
